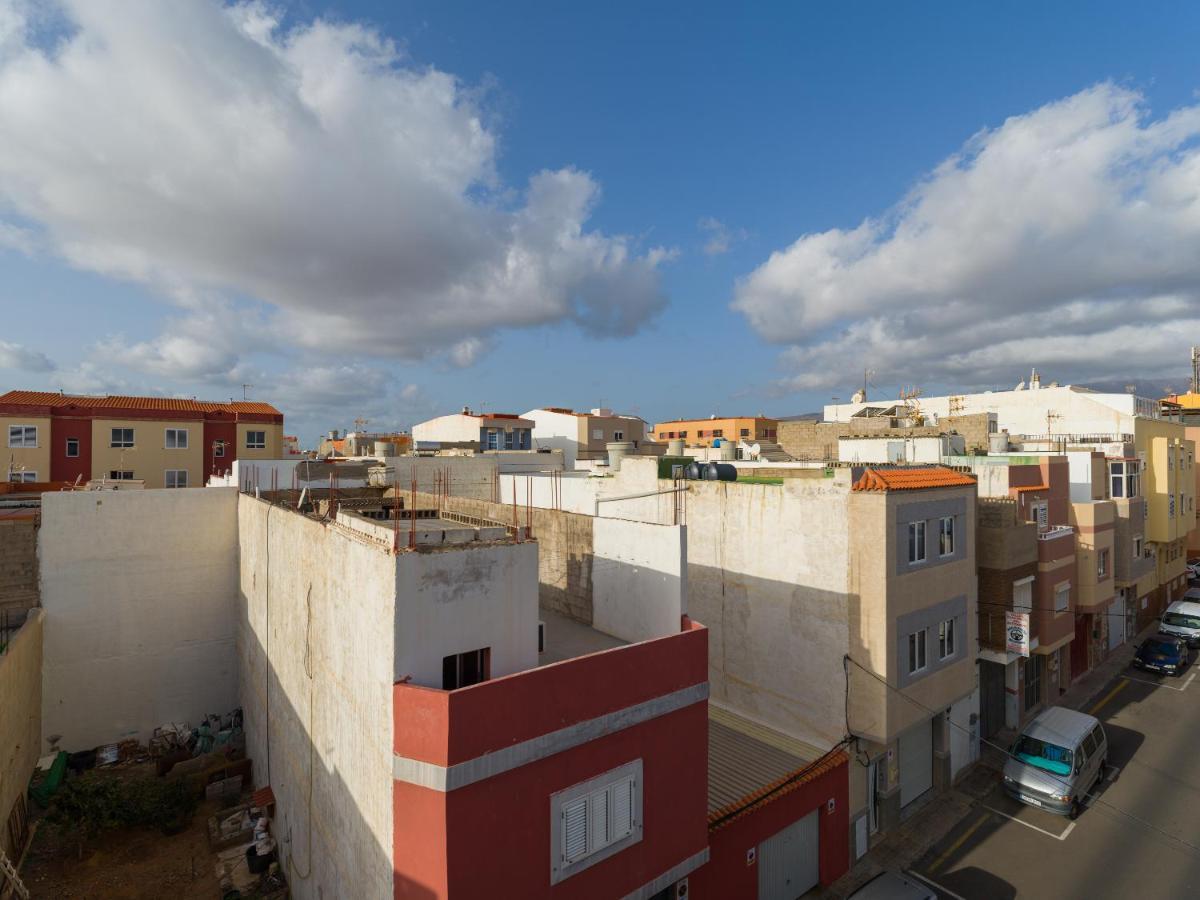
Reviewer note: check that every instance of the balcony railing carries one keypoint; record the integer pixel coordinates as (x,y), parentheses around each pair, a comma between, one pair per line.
(1076,438)
(1055,531)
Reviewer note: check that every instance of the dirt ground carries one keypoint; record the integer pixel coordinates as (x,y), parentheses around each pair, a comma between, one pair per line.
(125,864)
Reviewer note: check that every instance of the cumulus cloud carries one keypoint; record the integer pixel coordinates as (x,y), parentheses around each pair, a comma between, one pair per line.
(1065,238)
(204,148)
(18,356)
(719,236)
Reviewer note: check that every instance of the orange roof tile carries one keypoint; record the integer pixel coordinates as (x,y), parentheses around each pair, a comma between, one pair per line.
(768,793)
(113,401)
(911,479)
(1032,487)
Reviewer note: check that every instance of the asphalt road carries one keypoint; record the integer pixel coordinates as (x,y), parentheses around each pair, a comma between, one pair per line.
(1138,837)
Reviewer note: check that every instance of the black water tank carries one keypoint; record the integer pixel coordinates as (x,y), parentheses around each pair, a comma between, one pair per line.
(720,472)
(693,472)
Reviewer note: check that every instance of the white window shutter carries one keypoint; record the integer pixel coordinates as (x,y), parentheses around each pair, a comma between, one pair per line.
(597,820)
(574,829)
(621,804)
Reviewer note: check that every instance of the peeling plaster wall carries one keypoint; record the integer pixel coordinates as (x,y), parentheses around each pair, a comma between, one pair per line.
(314,640)
(20,716)
(138,589)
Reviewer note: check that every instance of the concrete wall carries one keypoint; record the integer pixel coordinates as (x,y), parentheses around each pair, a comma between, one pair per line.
(464,599)
(20,717)
(315,643)
(138,589)
(18,565)
(639,578)
(819,440)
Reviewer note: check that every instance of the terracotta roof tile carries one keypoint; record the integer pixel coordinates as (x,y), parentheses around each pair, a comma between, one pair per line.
(112,401)
(918,479)
(1032,487)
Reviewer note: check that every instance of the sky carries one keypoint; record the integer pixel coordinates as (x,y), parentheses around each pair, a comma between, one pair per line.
(388,211)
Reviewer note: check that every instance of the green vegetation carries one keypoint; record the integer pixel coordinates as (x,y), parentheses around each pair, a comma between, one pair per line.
(758,479)
(99,802)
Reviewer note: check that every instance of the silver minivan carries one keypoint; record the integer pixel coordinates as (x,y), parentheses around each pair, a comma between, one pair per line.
(1182,619)
(1057,759)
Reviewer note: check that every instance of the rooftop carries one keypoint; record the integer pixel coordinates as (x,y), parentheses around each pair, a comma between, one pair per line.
(914,479)
(565,638)
(56,400)
(714,418)
(750,764)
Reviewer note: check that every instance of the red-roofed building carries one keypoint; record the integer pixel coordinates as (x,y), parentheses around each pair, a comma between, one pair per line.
(161,441)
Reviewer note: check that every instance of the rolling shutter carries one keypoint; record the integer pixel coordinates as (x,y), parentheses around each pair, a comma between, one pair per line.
(574,827)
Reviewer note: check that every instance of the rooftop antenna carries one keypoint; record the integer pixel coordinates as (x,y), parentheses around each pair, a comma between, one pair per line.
(1196,370)
(245,391)
(360,423)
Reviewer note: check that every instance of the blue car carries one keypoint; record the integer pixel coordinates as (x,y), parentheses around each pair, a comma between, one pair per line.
(1162,653)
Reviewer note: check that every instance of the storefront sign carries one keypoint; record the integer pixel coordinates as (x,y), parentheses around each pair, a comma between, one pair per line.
(1016,628)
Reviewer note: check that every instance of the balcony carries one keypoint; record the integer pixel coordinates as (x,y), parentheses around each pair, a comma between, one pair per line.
(1054,532)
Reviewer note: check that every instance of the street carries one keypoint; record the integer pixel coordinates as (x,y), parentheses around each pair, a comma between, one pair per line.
(1139,835)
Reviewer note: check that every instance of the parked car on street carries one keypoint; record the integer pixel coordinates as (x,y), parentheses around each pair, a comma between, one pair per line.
(1162,653)
(893,886)
(1056,760)
(1193,569)
(1182,620)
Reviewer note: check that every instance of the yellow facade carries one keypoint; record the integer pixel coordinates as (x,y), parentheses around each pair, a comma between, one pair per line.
(702,432)
(1169,485)
(149,459)
(272,441)
(21,459)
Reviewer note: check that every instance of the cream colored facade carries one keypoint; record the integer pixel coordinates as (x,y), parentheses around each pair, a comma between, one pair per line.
(1095,554)
(272,439)
(21,460)
(149,459)
(1169,485)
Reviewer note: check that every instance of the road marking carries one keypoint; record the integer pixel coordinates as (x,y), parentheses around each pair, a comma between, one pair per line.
(1107,697)
(936,886)
(1057,837)
(1169,687)
(937,863)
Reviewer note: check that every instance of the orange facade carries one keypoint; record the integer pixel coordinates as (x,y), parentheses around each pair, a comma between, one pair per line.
(702,432)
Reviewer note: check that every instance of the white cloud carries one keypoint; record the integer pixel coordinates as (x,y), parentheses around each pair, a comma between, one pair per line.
(200,148)
(720,237)
(18,356)
(1066,238)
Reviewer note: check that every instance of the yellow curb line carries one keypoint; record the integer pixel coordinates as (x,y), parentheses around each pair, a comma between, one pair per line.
(1120,684)
(937,863)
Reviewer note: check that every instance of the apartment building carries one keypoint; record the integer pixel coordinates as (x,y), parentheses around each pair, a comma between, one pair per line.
(469,430)
(584,436)
(806,439)
(702,432)
(163,442)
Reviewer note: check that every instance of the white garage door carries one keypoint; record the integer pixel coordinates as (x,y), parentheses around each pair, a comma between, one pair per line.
(916,762)
(788,861)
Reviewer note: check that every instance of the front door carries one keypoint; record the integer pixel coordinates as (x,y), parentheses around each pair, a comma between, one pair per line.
(916,761)
(1080,645)
(991,698)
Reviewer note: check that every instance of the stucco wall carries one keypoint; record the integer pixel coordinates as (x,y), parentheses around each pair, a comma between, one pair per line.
(20,716)
(138,589)
(18,564)
(315,646)
(149,458)
(639,578)
(26,459)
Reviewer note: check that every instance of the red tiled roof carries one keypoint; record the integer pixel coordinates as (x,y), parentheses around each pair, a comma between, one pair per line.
(112,401)
(1032,487)
(911,479)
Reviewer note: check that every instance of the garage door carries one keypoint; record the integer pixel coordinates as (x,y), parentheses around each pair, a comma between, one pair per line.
(916,762)
(788,861)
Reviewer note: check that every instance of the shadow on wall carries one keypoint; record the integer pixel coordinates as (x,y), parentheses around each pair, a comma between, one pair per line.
(775,650)
(316,811)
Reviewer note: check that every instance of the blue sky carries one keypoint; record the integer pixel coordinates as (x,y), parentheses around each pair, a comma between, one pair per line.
(671,126)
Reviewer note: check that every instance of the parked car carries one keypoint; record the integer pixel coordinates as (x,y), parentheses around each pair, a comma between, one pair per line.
(1193,569)
(1182,620)
(1162,653)
(893,886)
(1056,760)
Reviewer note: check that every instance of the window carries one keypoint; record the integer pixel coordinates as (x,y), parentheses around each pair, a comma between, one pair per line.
(121,437)
(745,432)
(22,436)
(1033,680)
(946,536)
(176,478)
(257,440)
(1023,594)
(1116,477)
(1062,597)
(1102,564)
(22,477)
(508,440)
(718,432)
(464,669)
(597,434)
(176,439)
(1137,546)
(218,449)
(618,435)
(126,475)
(916,542)
(596,819)
(916,651)
(946,639)
(1041,515)
(683,434)
(72,447)
(1171,507)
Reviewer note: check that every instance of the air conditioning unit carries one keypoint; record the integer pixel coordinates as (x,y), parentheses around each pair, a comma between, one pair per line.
(541,637)
(680,890)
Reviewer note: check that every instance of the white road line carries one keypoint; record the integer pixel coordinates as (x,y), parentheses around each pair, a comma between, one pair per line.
(937,887)
(1112,773)
(1057,837)
(1169,687)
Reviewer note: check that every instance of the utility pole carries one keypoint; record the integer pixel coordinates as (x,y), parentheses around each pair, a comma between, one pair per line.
(245,390)
(1196,370)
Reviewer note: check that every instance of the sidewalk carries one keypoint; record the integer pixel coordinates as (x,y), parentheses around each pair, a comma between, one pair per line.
(927,827)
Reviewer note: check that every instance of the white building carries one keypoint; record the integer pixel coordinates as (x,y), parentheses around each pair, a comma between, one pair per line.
(479,431)
(583,436)
(885,448)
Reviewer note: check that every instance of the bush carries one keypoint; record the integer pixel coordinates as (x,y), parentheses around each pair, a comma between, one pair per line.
(94,803)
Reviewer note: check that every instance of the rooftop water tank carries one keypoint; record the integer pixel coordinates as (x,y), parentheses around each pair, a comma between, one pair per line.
(998,442)
(675,447)
(617,451)
(694,472)
(719,472)
(728,450)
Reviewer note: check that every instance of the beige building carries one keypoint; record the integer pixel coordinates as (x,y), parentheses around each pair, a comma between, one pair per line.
(584,436)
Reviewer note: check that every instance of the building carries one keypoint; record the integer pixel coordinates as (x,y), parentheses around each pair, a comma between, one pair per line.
(365,443)
(806,439)
(475,431)
(899,450)
(161,441)
(702,432)
(584,436)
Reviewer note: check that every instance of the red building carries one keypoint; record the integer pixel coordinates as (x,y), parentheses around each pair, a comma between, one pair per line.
(583,778)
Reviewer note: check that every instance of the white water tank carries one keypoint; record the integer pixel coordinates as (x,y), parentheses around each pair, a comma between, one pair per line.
(998,442)
(675,447)
(617,451)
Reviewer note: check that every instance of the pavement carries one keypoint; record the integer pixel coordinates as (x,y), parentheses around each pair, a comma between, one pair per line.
(1137,836)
